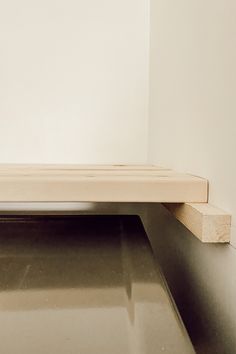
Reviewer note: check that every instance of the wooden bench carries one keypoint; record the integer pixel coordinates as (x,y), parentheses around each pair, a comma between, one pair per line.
(119,183)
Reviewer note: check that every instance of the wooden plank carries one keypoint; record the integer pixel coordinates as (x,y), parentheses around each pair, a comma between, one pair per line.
(88,183)
(94,173)
(208,223)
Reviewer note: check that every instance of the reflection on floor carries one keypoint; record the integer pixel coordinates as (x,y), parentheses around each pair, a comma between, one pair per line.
(83,284)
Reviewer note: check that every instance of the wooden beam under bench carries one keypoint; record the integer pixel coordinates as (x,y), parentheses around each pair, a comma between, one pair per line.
(208,223)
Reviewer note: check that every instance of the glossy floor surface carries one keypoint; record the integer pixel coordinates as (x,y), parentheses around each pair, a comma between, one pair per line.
(85,284)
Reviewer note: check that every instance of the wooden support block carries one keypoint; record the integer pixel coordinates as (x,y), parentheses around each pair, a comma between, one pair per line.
(207,223)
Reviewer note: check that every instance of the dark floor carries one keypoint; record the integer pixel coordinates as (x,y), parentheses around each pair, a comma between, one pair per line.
(83,284)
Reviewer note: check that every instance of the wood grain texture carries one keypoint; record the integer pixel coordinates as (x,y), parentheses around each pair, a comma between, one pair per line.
(209,224)
(98,183)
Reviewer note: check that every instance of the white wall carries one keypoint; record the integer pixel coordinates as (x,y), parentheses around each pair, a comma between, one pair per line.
(193,129)
(193,93)
(74,81)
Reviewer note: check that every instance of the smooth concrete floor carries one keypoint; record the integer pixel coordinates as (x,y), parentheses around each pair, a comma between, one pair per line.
(83,284)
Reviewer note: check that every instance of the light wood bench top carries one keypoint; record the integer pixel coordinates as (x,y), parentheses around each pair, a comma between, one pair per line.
(99,183)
